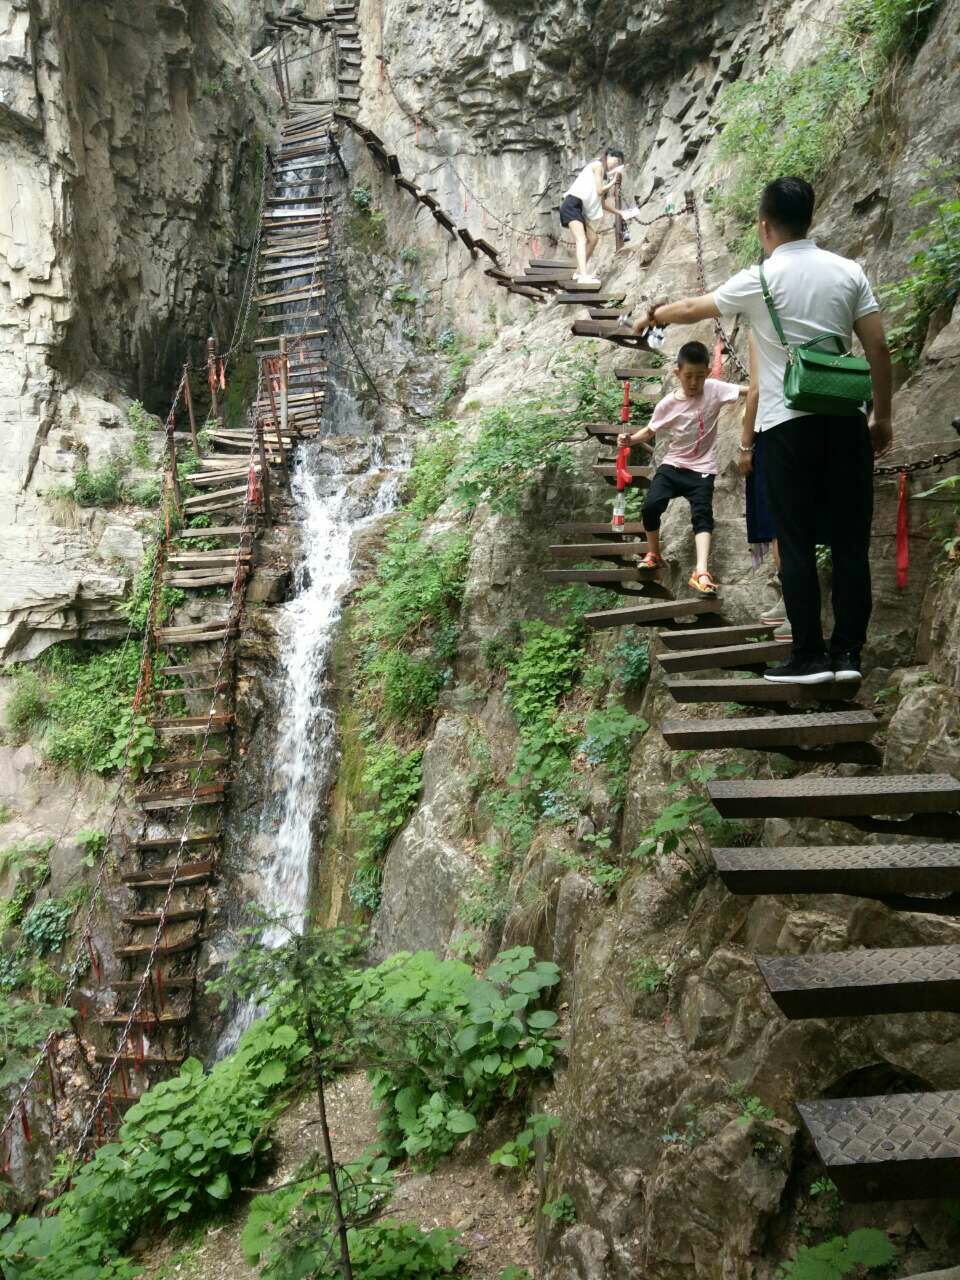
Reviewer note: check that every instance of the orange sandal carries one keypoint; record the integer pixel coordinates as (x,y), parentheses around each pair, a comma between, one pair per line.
(650,562)
(703,582)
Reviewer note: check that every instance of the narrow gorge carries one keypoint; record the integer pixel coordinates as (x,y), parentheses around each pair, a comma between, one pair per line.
(396,881)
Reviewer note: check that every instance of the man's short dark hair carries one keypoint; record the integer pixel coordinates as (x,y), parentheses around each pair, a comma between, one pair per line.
(693,353)
(616,151)
(788,204)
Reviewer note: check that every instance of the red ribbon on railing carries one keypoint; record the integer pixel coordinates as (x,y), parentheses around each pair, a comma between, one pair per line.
(903,533)
(223,376)
(25,1122)
(623,471)
(717,369)
(253,488)
(94,961)
(625,407)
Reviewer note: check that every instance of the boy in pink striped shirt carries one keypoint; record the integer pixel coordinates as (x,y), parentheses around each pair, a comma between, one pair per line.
(689,467)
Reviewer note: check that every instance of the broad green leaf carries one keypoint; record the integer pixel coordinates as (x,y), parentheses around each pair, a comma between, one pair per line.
(461,1122)
(540,1019)
(273,1074)
(219,1188)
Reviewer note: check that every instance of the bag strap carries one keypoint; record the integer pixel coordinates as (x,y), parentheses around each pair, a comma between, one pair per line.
(773,314)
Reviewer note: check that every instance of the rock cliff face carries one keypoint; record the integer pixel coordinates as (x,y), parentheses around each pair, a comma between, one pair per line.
(130,136)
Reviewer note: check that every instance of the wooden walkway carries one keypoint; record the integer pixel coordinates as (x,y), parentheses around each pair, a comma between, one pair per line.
(902,1146)
(240,484)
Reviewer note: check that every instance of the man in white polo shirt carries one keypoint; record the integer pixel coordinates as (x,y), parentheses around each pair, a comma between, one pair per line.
(818,468)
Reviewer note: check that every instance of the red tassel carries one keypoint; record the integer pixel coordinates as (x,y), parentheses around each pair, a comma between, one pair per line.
(623,471)
(536,246)
(212,377)
(903,533)
(717,369)
(625,407)
(5,1166)
(110,1106)
(417,123)
(53,1081)
(223,376)
(253,488)
(158,977)
(25,1122)
(94,962)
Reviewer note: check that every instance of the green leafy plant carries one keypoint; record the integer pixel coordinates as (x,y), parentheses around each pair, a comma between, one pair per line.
(631,659)
(609,737)
(24,1027)
(409,256)
(647,975)
(142,424)
(519,1151)
(797,121)
(100,486)
(467,1042)
(688,824)
(361,197)
(27,706)
(867,1249)
(93,843)
(932,282)
(751,1108)
(391,782)
(560,1210)
(46,925)
(403,296)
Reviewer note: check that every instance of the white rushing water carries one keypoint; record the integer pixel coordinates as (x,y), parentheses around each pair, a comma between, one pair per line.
(306,748)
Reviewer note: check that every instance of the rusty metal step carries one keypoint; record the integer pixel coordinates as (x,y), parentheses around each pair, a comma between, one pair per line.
(870,871)
(761,691)
(701,637)
(597,550)
(188,873)
(897,1146)
(866,981)
(599,530)
(737,655)
(757,733)
(645,615)
(815,796)
(596,576)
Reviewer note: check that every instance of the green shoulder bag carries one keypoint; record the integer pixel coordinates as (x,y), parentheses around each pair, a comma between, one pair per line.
(832,382)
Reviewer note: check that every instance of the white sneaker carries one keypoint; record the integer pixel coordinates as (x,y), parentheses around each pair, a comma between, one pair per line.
(591,280)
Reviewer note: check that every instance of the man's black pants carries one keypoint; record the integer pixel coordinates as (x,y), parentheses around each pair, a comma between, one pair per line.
(819,477)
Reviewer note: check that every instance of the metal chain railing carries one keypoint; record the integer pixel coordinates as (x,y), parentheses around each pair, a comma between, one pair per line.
(692,207)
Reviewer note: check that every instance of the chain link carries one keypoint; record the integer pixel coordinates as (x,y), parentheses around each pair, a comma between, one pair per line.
(693,207)
(922,464)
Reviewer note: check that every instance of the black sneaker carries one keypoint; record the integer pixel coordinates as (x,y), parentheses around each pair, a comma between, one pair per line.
(796,671)
(846,666)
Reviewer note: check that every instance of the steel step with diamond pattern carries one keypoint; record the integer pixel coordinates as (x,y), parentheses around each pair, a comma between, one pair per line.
(868,980)
(871,871)
(732,655)
(716,637)
(815,796)
(757,733)
(761,691)
(892,1147)
(645,615)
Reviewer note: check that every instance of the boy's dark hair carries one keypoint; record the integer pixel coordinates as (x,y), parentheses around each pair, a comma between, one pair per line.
(788,204)
(693,353)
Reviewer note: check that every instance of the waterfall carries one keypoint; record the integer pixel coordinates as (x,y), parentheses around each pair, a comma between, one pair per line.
(328,512)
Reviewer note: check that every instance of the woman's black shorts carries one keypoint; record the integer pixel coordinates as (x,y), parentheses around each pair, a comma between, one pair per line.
(572,211)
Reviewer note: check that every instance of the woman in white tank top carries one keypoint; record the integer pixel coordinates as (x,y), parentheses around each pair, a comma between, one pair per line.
(583,207)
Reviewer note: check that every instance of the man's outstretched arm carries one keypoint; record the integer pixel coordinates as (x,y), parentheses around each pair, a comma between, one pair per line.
(686,311)
(869,329)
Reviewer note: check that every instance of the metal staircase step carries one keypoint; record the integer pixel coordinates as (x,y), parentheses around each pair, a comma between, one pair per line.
(592,575)
(596,550)
(735,655)
(898,1146)
(815,729)
(814,796)
(701,637)
(873,870)
(645,615)
(865,981)
(761,691)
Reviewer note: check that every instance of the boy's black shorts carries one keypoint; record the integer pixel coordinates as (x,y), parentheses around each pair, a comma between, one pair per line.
(677,482)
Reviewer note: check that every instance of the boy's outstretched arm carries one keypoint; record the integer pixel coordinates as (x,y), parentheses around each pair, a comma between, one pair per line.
(643,436)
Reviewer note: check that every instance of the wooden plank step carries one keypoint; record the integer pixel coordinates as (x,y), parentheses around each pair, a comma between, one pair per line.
(218,531)
(143,1020)
(605,313)
(732,655)
(151,843)
(160,806)
(446,222)
(761,691)
(486,247)
(533,294)
(140,919)
(599,530)
(467,239)
(185,792)
(608,432)
(290,295)
(238,491)
(554,264)
(210,759)
(598,550)
(195,637)
(348,77)
(132,985)
(813,796)
(694,637)
(192,722)
(593,299)
(643,615)
(868,980)
(212,559)
(159,877)
(815,729)
(136,949)
(896,1146)
(135,1060)
(874,870)
(224,686)
(218,579)
(640,476)
(591,575)
(293,337)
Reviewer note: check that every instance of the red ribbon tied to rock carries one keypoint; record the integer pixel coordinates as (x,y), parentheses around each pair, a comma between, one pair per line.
(903,533)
